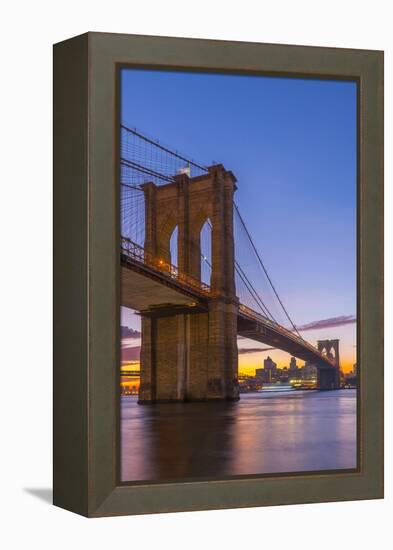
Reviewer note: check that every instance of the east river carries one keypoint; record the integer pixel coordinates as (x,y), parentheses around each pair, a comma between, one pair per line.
(299,431)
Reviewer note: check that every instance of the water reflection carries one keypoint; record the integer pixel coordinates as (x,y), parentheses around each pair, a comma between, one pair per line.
(262,433)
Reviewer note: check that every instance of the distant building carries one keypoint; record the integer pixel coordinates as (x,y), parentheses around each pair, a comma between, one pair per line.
(270,368)
(269,371)
(283,374)
(350,379)
(292,364)
(293,370)
(309,371)
(269,364)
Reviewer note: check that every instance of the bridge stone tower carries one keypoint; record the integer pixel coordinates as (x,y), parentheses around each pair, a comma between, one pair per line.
(192,356)
(329,378)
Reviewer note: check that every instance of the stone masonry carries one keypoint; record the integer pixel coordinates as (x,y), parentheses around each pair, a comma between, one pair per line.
(329,378)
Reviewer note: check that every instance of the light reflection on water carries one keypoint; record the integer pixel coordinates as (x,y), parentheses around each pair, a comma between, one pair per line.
(262,433)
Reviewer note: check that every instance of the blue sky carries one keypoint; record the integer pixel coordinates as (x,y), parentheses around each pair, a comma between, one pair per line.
(292,145)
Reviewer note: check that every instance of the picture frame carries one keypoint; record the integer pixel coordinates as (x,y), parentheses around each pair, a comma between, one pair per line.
(87,278)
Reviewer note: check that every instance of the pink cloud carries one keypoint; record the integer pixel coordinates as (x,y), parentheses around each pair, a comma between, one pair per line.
(331,322)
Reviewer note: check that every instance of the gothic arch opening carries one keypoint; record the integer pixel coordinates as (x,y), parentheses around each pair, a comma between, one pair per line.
(167,239)
(173,247)
(206,251)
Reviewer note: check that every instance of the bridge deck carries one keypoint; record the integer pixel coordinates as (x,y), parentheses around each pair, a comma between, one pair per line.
(143,289)
(266,332)
(148,284)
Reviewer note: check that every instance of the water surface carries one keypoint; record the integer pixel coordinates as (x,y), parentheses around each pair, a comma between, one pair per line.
(262,433)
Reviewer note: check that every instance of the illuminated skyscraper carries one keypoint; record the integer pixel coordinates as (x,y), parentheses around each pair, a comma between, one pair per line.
(270,368)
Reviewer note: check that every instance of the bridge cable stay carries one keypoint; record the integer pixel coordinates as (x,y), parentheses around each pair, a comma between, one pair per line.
(129,186)
(265,270)
(156,143)
(142,157)
(244,288)
(144,170)
(132,214)
(250,289)
(254,294)
(250,268)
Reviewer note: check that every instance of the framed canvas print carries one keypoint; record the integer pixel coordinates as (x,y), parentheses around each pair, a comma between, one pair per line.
(218,260)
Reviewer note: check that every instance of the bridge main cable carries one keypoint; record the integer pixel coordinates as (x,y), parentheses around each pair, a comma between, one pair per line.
(163,148)
(247,283)
(264,270)
(251,289)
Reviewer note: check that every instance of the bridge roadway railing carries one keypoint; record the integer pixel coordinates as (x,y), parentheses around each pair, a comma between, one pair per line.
(282,330)
(137,253)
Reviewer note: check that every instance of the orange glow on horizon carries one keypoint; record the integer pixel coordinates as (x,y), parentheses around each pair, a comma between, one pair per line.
(247,363)
(130,366)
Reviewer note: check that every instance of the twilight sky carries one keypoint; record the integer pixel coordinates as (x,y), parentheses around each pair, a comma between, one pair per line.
(291,143)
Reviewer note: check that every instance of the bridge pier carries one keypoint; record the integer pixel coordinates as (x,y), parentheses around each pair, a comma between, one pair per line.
(190,357)
(328,378)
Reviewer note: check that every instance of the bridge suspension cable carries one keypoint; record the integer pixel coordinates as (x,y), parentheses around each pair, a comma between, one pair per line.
(248,285)
(157,144)
(145,159)
(262,265)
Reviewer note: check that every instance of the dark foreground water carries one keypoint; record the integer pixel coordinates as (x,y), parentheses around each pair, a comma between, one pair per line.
(262,433)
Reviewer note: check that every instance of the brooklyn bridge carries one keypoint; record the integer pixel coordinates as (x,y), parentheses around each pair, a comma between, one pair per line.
(188,266)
